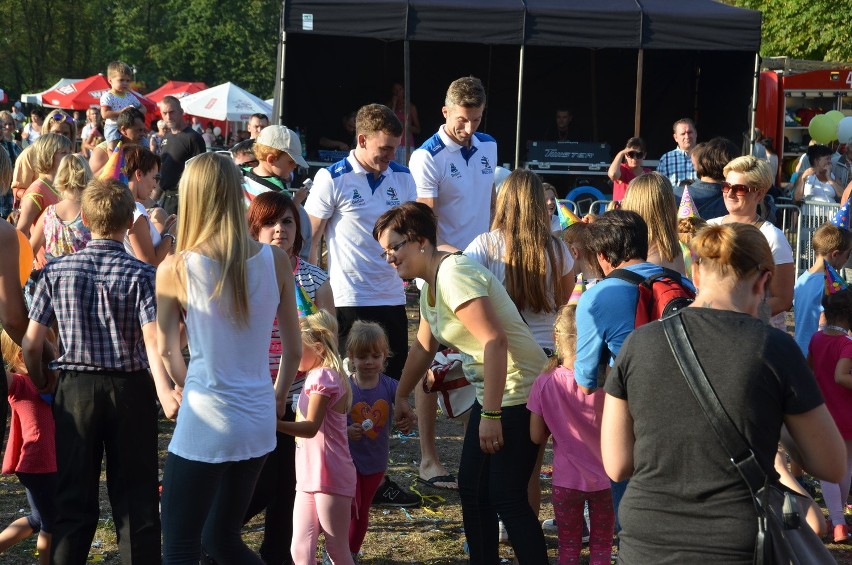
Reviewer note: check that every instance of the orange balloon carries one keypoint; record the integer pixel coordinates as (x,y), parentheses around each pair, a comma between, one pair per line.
(25,257)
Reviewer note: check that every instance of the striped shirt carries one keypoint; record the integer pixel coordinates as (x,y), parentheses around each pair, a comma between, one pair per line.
(309,277)
(100,297)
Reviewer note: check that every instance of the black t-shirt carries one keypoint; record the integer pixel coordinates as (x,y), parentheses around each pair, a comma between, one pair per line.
(685,502)
(176,150)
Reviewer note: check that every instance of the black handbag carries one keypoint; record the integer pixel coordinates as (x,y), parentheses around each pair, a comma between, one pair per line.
(783,536)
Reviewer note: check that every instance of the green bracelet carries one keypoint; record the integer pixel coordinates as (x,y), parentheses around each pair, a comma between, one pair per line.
(488,416)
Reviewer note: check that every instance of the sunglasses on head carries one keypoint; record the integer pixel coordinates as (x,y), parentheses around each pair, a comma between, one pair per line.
(60,117)
(737,188)
(635,154)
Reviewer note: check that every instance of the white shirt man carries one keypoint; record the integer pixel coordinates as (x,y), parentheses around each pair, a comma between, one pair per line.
(454,169)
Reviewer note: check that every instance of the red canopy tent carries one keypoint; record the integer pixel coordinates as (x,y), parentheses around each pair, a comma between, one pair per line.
(85,94)
(176,88)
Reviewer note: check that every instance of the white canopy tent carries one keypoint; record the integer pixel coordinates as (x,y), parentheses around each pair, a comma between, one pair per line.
(36,98)
(227,102)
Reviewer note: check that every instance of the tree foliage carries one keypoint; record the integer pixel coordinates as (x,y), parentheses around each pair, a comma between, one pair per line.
(194,40)
(817,30)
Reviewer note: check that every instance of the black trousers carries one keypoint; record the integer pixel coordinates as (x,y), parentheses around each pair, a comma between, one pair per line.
(114,413)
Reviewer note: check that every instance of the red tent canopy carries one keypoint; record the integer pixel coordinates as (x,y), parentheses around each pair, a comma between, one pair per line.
(176,88)
(85,94)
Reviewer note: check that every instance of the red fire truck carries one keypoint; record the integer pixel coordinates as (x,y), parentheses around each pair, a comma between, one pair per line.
(790,93)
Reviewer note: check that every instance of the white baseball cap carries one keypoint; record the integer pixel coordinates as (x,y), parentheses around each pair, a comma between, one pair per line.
(283,139)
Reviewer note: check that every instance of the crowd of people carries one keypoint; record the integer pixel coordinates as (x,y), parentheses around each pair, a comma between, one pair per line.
(190,282)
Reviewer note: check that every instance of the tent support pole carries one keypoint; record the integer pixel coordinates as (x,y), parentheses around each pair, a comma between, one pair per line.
(637,112)
(406,51)
(278,102)
(518,120)
(753,108)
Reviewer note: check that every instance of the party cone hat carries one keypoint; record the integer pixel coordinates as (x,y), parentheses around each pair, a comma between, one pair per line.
(833,282)
(687,208)
(304,304)
(579,289)
(566,216)
(841,218)
(115,167)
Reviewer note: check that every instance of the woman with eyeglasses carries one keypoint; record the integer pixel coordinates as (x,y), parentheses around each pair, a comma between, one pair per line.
(686,502)
(464,306)
(144,241)
(747,180)
(626,166)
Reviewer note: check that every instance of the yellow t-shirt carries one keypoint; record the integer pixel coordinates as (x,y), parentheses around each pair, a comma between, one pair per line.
(460,280)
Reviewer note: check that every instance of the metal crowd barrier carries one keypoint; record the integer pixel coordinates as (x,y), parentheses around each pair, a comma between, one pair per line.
(598,207)
(811,216)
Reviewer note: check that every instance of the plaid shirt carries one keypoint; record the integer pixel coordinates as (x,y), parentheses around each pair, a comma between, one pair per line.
(100,297)
(676,165)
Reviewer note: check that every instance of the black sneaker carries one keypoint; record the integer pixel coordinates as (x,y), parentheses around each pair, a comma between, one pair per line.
(390,494)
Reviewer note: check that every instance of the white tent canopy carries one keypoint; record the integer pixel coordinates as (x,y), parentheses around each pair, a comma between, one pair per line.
(227,102)
(36,98)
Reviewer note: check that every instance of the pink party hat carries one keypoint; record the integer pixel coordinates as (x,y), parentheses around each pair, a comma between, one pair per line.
(841,218)
(687,208)
(115,167)
(579,288)
(304,303)
(566,216)
(833,282)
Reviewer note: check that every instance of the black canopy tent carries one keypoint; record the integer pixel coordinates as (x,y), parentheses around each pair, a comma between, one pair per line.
(626,67)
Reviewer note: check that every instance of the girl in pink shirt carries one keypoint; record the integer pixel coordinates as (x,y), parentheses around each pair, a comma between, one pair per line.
(325,474)
(830,357)
(561,409)
(30,454)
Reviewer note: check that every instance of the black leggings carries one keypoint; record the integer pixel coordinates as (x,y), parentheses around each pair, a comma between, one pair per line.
(492,485)
(206,502)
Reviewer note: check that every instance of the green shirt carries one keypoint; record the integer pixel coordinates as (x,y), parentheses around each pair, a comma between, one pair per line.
(459,281)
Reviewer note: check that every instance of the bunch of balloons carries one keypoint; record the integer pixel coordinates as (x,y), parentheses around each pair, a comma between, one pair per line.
(825,128)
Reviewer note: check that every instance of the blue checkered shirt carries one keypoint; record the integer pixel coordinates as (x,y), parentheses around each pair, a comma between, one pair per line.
(101,297)
(676,165)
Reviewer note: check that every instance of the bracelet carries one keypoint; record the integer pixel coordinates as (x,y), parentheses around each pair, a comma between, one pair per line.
(490,417)
(492,414)
(171,235)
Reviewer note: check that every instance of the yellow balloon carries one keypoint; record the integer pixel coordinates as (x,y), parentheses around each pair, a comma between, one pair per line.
(25,257)
(822,129)
(835,116)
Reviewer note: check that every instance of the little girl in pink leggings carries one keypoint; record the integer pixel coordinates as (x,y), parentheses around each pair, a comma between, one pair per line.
(561,409)
(325,474)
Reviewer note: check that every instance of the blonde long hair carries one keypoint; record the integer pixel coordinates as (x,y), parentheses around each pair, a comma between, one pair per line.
(522,219)
(319,331)
(651,196)
(212,221)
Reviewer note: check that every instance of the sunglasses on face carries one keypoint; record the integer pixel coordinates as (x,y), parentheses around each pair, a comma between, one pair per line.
(635,154)
(737,188)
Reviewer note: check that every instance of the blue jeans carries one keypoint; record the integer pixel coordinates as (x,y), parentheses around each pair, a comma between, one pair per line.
(206,502)
(492,485)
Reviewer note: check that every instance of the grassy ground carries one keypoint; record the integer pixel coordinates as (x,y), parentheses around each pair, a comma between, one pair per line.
(430,535)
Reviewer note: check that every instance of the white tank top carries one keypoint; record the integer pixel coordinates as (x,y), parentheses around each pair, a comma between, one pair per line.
(228,409)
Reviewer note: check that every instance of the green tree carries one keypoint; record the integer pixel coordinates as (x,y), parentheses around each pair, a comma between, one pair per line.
(817,30)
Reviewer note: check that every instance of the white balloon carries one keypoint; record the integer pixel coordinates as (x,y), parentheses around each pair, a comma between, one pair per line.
(844,129)
(217,131)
